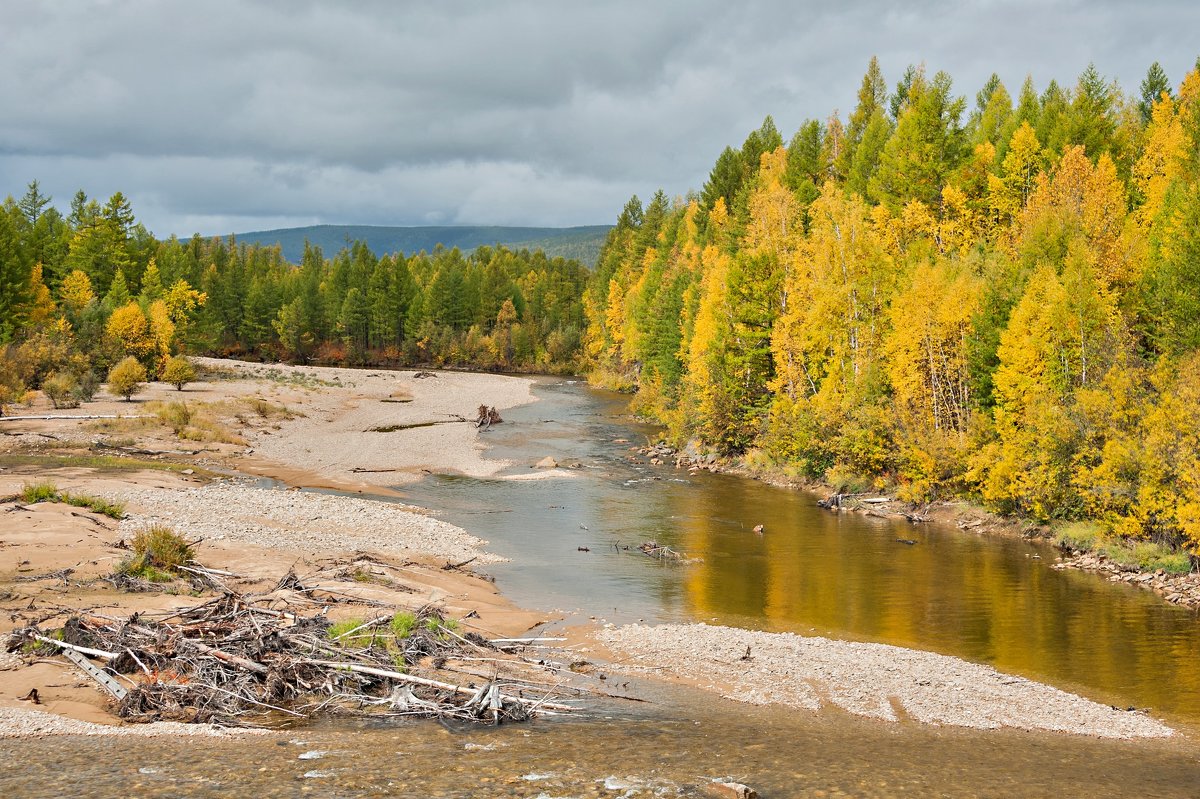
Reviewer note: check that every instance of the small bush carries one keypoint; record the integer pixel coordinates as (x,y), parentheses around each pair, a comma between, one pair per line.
(127,378)
(179,372)
(175,415)
(158,552)
(62,390)
(268,410)
(43,491)
(86,386)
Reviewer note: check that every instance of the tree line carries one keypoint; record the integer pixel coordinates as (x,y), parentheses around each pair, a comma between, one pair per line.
(82,291)
(997,299)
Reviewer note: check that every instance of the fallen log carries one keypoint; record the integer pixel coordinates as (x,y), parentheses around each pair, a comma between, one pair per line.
(400,676)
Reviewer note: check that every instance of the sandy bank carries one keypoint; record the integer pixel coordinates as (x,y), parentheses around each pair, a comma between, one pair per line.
(377,427)
(875,680)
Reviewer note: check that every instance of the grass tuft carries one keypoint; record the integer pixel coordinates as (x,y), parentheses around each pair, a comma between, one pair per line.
(1078,536)
(1147,556)
(403,624)
(109,508)
(158,552)
(41,491)
(46,491)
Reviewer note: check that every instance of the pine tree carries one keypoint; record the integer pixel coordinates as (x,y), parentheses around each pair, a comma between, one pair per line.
(926,148)
(1153,87)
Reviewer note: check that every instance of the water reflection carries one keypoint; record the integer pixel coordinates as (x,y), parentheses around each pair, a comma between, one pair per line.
(991,600)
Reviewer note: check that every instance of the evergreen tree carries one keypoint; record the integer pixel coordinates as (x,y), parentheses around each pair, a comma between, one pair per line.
(1153,86)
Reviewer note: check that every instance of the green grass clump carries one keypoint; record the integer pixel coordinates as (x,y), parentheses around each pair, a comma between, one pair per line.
(113,510)
(46,491)
(42,491)
(110,463)
(1080,536)
(1148,556)
(337,632)
(403,624)
(158,552)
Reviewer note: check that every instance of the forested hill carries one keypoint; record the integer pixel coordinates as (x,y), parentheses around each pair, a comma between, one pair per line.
(578,243)
(995,296)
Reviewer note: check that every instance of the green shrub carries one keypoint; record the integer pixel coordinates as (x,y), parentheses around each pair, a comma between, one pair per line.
(1148,556)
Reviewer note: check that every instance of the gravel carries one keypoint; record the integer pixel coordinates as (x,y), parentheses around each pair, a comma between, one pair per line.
(874,680)
(19,723)
(234,512)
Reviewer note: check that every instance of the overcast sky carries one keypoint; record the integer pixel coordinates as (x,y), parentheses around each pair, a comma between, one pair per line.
(219,117)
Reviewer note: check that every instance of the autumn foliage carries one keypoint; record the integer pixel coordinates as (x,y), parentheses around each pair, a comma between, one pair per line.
(1001,303)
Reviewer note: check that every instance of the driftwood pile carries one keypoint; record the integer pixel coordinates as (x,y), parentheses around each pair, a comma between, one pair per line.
(487,416)
(237,662)
(661,551)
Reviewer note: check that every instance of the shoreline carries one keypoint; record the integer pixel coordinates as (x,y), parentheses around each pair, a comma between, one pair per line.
(312,427)
(1181,589)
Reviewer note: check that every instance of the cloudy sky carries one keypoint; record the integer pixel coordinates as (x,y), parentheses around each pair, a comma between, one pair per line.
(216,117)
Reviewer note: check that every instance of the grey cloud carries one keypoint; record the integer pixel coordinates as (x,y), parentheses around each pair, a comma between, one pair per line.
(218,114)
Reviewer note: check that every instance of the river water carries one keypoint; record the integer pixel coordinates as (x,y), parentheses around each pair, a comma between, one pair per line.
(987,599)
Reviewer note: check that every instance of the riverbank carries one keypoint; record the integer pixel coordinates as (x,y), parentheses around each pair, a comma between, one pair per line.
(1176,588)
(173,458)
(277,422)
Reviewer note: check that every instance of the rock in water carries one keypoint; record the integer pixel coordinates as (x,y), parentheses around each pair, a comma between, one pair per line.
(730,790)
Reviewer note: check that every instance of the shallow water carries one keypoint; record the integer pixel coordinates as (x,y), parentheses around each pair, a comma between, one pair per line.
(668,749)
(988,599)
(985,599)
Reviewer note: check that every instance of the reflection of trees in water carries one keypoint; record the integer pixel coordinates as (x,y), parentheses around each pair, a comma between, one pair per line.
(982,599)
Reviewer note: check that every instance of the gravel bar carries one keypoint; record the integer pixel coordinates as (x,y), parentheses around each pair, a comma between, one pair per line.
(875,680)
(298,520)
(19,723)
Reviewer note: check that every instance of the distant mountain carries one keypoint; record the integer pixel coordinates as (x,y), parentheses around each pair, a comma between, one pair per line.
(581,243)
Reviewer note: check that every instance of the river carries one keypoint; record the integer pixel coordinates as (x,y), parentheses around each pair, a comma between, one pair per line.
(988,599)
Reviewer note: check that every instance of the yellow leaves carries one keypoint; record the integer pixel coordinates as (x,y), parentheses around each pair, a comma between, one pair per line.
(162,329)
(1171,470)
(1008,193)
(1167,147)
(1086,202)
(181,300)
(959,226)
(614,316)
(41,308)
(828,337)
(129,326)
(926,350)
(76,291)
(775,225)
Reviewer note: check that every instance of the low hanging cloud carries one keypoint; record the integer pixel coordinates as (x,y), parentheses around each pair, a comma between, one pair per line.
(229,116)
